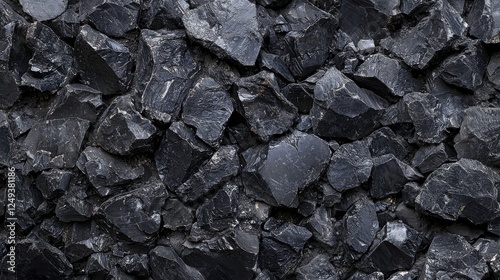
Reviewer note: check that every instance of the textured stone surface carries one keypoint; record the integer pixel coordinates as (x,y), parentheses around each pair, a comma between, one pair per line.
(113,18)
(166,264)
(429,158)
(360,227)
(465,189)
(235,35)
(46,10)
(6,140)
(318,268)
(484,21)
(219,213)
(78,101)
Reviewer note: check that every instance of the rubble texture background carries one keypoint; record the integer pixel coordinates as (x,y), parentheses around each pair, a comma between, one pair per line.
(251,139)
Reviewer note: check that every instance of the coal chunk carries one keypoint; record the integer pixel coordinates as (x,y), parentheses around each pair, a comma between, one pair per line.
(360,227)
(490,250)
(223,165)
(305,23)
(55,143)
(51,65)
(219,213)
(417,46)
(389,175)
(465,189)
(288,233)
(41,260)
(342,109)
(276,172)
(229,256)
(484,21)
(78,101)
(175,215)
(83,239)
(113,18)
(350,166)
(466,70)
(44,10)
(207,108)
(478,132)
(162,14)
(275,64)
(53,183)
(6,140)
(384,141)
(319,268)
(386,77)
(135,264)
(450,256)
(321,226)
(429,158)
(301,95)
(166,70)
(228,28)
(68,23)
(73,209)
(265,108)
(394,249)
(106,172)
(135,214)
(179,155)
(122,130)
(166,264)
(103,63)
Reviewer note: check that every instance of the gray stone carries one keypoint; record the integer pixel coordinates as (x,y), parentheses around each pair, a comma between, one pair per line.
(176,216)
(265,108)
(207,108)
(122,130)
(6,140)
(384,141)
(276,172)
(166,70)
(386,77)
(350,166)
(113,18)
(301,95)
(136,264)
(490,251)
(360,227)
(106,172)
(44,10)
(53,183)
(451,257)
(319,268)
(342,109)
(493,69)
(67,24)
(103,63)
(389,175)
(78,101)
(84,239)
(321,226)
(72,209)
(478,134)
(219,213)
(40,260)
(166,264)
(135,214)
(228,28)
(54,143)
(484,21)
(163,14)
(429,158)
(223,165)
(465,189)
(275,64)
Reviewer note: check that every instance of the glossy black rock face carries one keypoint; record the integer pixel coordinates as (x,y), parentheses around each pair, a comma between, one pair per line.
(250,139)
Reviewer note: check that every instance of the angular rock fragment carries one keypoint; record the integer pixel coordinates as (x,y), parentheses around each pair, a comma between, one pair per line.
(176,215)
(265,108)
(165,71)
(53,183)
(276,172)
(365,276)
(494,226)
(106,172)
(384,141)
(6,140)
(166,264)
(67,24)
(97,265)
(389,175)
(493,69)
(321,226)
(163,14)
(103,63)
(288,233)
(490,251)
(228,28)
(84,239)
(219,213)
(9,92)
(179,155)
(72,209)
(342,109)
(40,260)
(44,10)
(304,24)
(478,134)
(466,70)
(122,130)
(136,264)
(55,143)
(350,166)
(135,214)
(465,189)
(51,65)
(275,64)
(484,21)
(301,95)
(386,77)
(360,226)
(207,108)
(394,248)
(223,164)
(21,122)
(417,46)
(229,256)
(76,100)
(429,158)
(451,257)
(318,268)
(113,18)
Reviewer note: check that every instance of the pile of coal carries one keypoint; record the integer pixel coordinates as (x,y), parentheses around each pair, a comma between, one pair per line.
(250,139)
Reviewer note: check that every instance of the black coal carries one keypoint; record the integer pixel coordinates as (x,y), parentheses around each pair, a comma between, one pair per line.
(250,139)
